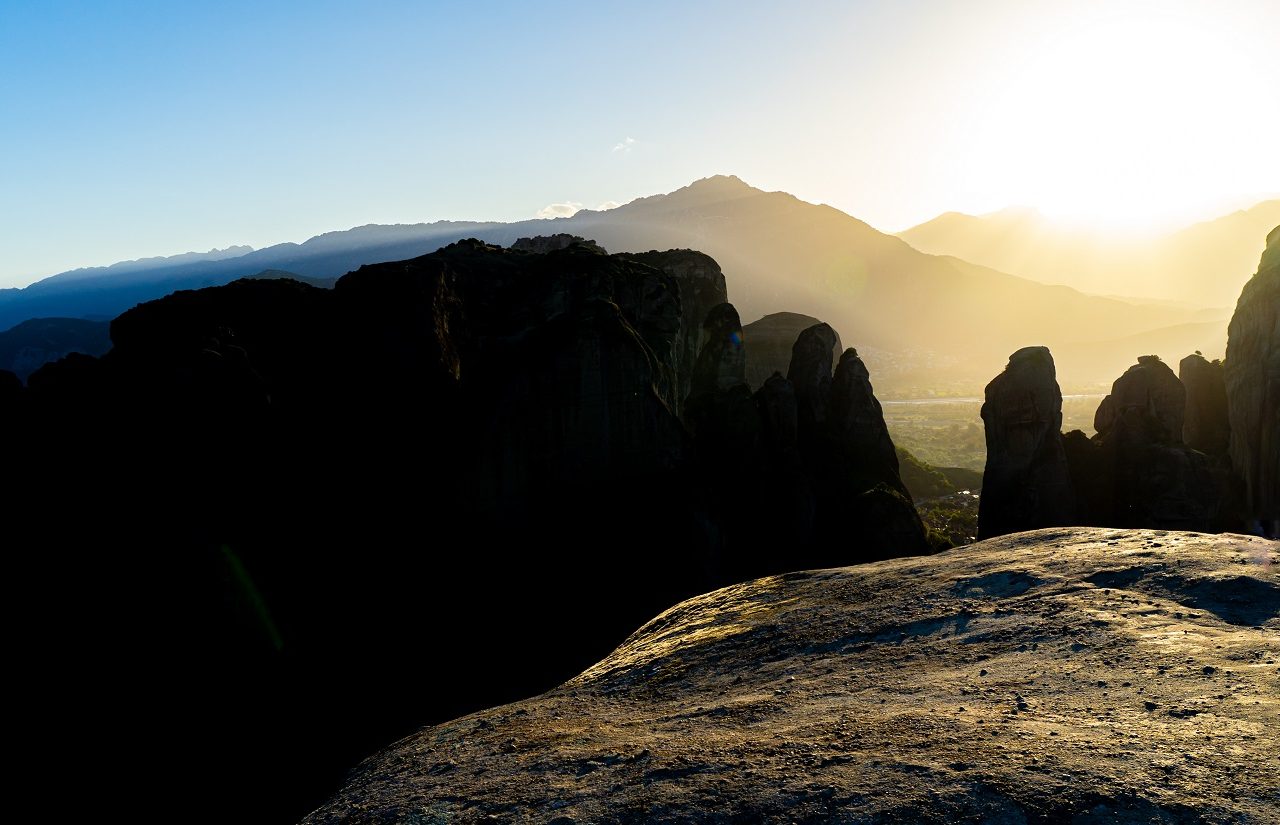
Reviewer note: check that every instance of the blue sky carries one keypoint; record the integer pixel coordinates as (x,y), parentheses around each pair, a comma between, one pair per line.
(130,129)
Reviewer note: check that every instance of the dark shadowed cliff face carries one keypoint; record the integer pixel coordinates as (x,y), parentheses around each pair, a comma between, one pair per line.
(32,344)
(701,287)
(802,473)
(1205,426)
(1026,483)
(860,504)
(1062,676)
(772,338)
(1136,470)
(1252,375)
(289,518)
(275,504)
(1148,397)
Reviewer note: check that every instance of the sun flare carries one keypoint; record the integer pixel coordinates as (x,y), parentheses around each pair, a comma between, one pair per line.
(1117,119)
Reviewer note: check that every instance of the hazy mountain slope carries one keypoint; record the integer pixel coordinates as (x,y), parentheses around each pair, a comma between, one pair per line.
(1199,264)
(1204,262)
(1170,343)
(780,253)
(1073,675)
(957,321)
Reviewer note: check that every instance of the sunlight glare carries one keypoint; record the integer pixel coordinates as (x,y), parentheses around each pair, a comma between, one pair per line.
(1109,122)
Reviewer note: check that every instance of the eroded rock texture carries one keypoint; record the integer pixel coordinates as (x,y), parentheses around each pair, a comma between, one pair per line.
(1061,676)
(1026,483)
(1252,374)
(1149,397)
(701,286)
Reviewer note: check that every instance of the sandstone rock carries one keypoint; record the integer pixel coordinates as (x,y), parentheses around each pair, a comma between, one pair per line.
(772,338)
(810,374)
(857,425)
(816,473)
(1027,483)
(543,244)
(862,509)
(1138,471)
(700,286)
(1052,676)
(722,363)
(1149,396)
(1205,427)
(1252,375)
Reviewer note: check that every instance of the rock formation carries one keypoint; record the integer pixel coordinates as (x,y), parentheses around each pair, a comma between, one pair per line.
(804,472)
(296,477)
(1252,375)
(1027,483)
(1149,398)
(772,338)
(1138,471)
(543,244)
(862,509)
(1205,426)
(810,373)
(722,363)
(265,481)
(700,286)
(1066,675)
(857,423)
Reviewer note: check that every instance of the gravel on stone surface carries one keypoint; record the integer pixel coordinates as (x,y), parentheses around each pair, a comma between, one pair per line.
(1064,675)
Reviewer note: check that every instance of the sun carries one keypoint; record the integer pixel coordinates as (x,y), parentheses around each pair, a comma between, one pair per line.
(1123,119)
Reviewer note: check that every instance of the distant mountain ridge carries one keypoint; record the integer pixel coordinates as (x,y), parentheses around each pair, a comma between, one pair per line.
(144,264)
(1198,264)
(933,321)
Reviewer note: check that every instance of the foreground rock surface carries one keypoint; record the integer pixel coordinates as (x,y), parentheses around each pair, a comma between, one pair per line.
(1063,675)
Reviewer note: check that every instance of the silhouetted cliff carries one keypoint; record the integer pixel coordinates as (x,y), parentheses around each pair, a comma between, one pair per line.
(271,504)
(1252,376)
(1026,483)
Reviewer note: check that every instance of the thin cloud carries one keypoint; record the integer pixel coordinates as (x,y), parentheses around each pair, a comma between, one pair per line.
(624,146)
(607,205)
(559,210)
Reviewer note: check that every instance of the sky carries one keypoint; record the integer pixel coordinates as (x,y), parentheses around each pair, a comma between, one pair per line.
(133,129)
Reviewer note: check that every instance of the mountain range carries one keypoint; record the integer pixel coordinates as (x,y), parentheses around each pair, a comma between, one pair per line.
(1199,265)
(926,323)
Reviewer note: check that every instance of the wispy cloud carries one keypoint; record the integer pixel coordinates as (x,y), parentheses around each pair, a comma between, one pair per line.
(624,146)
(607,205)
(559,210)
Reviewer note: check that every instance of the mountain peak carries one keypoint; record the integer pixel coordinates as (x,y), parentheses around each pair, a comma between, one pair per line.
(721,183)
